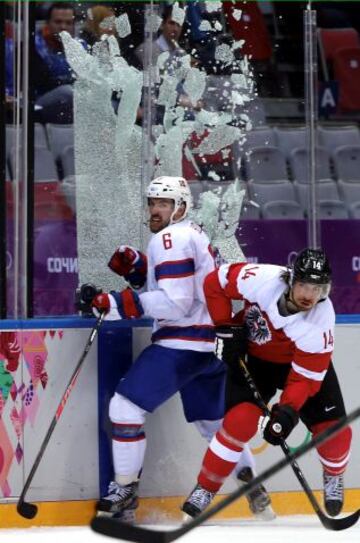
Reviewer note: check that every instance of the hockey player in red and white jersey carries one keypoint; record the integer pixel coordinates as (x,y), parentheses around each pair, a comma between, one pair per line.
(181,357)
(289,322)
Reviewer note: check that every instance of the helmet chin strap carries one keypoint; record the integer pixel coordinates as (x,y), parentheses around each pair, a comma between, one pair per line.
(287,304)
(290,303)
(172,221)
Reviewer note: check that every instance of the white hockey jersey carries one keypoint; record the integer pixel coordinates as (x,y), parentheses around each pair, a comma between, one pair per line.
(179,258)
(305,340)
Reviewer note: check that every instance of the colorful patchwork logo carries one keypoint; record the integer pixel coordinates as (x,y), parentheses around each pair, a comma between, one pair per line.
(23,359)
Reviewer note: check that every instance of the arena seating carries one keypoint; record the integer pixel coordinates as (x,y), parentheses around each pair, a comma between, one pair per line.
(332,39)
(50,201)
(347,73)
(271,161)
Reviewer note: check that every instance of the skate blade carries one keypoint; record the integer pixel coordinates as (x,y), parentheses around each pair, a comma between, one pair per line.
(186,518)
(124,516)
(104,514)
(128,516)
(266,515)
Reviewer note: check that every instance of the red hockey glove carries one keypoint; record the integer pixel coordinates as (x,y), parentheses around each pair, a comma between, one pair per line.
(130,264)
(282,421)
(118,305)
(105,303)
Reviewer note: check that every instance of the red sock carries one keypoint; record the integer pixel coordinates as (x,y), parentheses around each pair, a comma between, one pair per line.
(334,453)
(239,425)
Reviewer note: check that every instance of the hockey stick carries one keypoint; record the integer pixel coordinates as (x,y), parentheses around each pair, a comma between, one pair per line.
(26,509)
(121,530)
(324,519)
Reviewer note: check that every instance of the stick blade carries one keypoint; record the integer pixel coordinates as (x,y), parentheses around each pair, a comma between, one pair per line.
(128,532)
(27,510)
(343,523)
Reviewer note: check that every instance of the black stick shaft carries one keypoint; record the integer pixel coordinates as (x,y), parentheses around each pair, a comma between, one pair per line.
(21,503)
(125,531)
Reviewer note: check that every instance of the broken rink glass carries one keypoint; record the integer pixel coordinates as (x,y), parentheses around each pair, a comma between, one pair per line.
(109,140)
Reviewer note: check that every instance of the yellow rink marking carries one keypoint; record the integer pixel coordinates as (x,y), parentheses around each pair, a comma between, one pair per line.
(161,510)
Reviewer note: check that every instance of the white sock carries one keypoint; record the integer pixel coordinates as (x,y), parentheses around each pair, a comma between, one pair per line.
(128,459)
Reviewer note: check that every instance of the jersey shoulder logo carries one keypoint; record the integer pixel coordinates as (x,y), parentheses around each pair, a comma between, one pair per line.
(259,331)
(196,227)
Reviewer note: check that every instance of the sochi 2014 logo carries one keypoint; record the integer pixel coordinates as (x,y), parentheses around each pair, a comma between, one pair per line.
(258,328)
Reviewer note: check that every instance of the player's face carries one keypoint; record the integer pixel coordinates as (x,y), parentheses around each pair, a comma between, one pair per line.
(61,19)
(171,30)
(160,210)
(305,295)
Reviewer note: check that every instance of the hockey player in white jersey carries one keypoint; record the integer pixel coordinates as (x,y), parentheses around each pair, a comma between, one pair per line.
(290,322)
(181,357)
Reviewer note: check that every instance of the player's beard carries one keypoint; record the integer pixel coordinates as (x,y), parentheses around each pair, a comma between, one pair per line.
(156,224)
(301,304)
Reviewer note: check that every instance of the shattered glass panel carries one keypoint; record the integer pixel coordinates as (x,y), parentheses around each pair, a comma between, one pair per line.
(178,14)
(193,98)
(123,26)
(223,53)
(218,214)
(107,156)
(213,6)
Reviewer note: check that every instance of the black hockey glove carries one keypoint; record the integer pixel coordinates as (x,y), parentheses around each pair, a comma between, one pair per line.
(282,421)
(230,344)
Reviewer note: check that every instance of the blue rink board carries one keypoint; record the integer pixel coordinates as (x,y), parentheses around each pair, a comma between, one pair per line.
(88,322)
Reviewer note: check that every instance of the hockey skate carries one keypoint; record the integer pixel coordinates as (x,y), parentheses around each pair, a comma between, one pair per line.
(333,493)
(258,499)
(197,501)
(121,502)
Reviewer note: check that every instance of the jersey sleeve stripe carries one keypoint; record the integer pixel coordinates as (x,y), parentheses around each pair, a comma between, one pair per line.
(175,269)
(187,333)
(314,375)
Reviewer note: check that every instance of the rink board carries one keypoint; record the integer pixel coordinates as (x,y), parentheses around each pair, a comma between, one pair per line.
(76,466)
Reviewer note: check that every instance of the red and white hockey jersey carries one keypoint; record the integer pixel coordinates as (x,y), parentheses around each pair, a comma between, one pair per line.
(179,259)
(304,340)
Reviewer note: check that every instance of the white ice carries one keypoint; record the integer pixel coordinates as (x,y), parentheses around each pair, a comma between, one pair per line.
(282,530)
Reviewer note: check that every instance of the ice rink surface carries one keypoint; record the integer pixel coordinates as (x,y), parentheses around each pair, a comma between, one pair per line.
(295,529)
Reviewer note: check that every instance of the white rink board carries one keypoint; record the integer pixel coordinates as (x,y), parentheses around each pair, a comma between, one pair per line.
(69,468)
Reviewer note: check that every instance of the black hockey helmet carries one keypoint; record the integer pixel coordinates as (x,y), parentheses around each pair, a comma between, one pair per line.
(311,266)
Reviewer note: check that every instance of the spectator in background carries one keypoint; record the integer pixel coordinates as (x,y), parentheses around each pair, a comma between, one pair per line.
(168,41)
(100,20)
(135,12)
(203,27)
(53,75)
(245,22)
(9,69)
(169,35)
